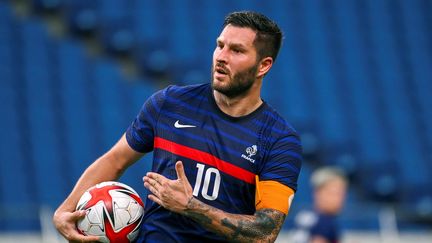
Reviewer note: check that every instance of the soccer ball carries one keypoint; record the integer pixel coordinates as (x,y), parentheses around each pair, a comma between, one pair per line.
(114,212)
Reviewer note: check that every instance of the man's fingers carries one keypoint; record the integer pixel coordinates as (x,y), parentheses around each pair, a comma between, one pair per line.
(78,215)
(151,188)
(73,235)
(84,238)
(150,182)
(180,171)
(158,178)
(155,199)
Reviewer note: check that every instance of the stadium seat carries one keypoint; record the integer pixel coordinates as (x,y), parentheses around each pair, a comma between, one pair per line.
(419,57)
(146,23)
(289,75)
(154,60)
(46,5)
(109,101)
(116,32)
(353,77)
(81,16)
(117,37)
(367,124)
(43,125)
(76,101)
(400,123)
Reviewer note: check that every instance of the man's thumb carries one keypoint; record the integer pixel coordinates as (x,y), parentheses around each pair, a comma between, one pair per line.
(180,171)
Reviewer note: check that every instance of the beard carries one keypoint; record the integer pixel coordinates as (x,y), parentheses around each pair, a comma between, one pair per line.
(239,84)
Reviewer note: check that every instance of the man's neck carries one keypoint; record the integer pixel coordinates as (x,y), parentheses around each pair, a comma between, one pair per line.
(240,105)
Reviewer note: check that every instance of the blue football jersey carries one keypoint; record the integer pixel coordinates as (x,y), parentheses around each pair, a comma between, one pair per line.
(310,223)
(221,155)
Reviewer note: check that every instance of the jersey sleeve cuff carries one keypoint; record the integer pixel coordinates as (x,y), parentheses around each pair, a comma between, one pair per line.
(135,144)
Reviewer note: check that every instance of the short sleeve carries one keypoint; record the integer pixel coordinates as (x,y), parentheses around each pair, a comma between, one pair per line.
(140,134)
(284,161)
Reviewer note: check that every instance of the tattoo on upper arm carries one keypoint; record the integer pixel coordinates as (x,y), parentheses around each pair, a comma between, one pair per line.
(266,224)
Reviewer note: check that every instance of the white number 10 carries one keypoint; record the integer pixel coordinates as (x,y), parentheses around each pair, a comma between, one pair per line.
(208,175)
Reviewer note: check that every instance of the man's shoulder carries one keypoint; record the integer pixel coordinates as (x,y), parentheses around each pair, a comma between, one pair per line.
(180,90)
(280,124)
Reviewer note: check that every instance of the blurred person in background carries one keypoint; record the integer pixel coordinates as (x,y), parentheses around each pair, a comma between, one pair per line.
(320,224)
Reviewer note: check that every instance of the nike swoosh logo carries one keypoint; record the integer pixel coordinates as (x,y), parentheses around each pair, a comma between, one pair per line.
(178,125)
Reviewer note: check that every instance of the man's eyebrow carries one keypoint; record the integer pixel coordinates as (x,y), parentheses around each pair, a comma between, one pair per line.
(240,46)
(237,45)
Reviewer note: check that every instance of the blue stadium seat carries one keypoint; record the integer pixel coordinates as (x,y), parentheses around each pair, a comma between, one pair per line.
(109,106)
(46,5)
(117,36)
(367,124)
(154,60)
(17,197)
(15,183)
(182,41)
(146,21)
(116,32)
(400,124)
(420,59)
(353,77)
(81,16)
(288,78)
(324,83)
(75,98)
(44,119)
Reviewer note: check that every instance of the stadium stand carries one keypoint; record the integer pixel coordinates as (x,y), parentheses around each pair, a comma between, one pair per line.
(354,77)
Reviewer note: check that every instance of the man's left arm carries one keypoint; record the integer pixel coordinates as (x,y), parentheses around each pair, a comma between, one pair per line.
(263,226)
(176,195)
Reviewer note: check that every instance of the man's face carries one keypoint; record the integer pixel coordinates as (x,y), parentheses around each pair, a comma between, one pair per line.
(330,197)
(234,68)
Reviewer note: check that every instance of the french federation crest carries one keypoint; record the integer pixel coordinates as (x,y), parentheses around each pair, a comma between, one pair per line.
(252,150)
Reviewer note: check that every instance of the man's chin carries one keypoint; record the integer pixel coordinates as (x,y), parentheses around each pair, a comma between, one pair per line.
(219,83)
(218,86)
(227,91)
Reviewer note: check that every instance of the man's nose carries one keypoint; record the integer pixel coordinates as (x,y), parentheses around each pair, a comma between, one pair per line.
(221,55)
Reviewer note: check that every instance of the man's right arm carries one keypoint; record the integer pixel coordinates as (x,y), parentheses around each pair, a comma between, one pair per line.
(108,167)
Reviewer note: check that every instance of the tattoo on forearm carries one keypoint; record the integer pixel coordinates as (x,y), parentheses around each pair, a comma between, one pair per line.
(200,216)
(201,213)
(264,225)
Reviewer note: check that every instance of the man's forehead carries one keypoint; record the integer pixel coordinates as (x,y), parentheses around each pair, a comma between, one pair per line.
(237,35)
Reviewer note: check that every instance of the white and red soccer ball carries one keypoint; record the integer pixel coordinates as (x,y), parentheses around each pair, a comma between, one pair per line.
(114,212)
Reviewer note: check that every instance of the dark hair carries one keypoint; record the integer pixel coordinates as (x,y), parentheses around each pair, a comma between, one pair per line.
(268,34)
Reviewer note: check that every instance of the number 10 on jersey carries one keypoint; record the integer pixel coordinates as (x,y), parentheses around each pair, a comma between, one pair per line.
(203,186)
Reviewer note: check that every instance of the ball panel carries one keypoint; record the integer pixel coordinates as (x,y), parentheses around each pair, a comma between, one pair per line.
(114,211)
(83,200)
(135,210)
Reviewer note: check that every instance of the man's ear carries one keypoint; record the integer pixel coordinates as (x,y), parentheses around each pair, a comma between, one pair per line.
(264,66)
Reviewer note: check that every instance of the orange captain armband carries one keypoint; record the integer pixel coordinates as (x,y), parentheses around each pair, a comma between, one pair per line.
(274,195)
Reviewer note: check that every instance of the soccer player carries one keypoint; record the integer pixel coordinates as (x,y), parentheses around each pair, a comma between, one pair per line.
(225,164)
(320,224)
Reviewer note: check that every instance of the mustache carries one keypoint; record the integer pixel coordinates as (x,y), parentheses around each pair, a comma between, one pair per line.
(221,66)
